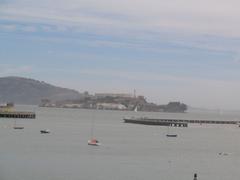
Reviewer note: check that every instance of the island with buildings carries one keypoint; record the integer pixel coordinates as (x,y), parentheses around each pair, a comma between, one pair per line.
(111,101)
(26,91)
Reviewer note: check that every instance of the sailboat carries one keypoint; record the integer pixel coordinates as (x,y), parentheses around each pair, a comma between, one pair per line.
(238,124)
(93,141)
(170,134)
(17,127)
(136,109)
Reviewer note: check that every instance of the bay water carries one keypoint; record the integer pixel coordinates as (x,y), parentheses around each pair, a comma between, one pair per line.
(127,151)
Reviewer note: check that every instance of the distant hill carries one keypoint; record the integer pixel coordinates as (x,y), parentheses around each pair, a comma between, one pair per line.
(29,91)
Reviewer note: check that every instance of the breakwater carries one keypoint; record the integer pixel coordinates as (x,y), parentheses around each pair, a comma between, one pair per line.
(155,122)
(173,122)
(17,114)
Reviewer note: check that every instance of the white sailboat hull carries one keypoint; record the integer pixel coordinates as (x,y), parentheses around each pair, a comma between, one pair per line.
(93,143)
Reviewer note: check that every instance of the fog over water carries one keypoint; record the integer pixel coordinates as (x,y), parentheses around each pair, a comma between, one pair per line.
(128,151)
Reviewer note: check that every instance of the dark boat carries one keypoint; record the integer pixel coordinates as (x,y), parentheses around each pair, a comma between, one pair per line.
(171,135)
(45,131)
(18,127)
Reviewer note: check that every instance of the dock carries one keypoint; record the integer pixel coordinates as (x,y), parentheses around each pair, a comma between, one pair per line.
(17,114)
(155,122)
(174,122)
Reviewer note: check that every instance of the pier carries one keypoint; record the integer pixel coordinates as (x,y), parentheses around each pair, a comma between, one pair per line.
(173,122)
(155,122)
(17,114)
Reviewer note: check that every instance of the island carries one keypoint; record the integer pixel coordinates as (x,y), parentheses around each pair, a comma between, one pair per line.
(110,101)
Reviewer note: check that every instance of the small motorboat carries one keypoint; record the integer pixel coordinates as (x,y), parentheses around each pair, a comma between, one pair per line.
(45,131)
(171,135)
(15,126)
(223,154)
(93,142)
(18,127)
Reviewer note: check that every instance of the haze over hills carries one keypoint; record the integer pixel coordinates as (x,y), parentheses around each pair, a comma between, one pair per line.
(21,90)
(29,91)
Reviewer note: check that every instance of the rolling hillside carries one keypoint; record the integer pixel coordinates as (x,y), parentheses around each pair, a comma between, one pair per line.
(29,91)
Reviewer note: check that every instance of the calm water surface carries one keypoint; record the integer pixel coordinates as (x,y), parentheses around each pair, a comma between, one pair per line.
(128,151)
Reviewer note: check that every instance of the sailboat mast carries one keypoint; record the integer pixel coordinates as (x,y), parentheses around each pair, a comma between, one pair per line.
(93,122)
(92,130)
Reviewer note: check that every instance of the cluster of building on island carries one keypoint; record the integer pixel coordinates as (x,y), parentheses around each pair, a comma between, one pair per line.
(6,107)
(110,101)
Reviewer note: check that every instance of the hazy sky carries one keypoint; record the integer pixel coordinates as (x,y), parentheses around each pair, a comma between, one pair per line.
(177,50)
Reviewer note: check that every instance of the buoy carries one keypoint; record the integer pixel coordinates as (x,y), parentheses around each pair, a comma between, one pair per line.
(195,176)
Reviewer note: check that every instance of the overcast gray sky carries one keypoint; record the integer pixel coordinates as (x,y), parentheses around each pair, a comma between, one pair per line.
(178,50)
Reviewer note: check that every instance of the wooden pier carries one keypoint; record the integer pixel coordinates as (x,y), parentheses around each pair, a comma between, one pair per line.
(174,122)
(17,114)
(155,122)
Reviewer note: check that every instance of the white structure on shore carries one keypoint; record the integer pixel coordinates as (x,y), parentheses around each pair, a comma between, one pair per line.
(113,106)
(102,95)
